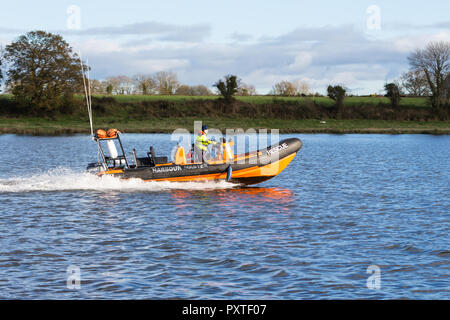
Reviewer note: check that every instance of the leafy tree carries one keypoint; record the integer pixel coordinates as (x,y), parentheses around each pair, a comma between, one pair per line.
(337,93)
(43,71)
(434,62)
(109,88)
(393,93)
(228,87)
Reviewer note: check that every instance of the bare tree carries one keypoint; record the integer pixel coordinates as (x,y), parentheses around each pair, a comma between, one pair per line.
(447,87)
(145,84)
(184,90)
(301,87)
(166,82)
(126,85)
(1,59)
(199,90)
(97,87)
(246,90)
(120,85)
(112,85)
(294,88)
(434,61)
(284,88)
(415,83)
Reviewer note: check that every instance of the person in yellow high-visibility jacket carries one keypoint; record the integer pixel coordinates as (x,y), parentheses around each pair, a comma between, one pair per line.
(201,145)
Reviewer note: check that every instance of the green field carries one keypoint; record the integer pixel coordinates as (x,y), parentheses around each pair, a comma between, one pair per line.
(325,101)
(406,101)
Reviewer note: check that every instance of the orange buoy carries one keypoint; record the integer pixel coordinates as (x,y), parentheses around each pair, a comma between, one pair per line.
(101,134)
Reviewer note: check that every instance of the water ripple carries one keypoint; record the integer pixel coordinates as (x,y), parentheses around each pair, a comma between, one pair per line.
(345,203)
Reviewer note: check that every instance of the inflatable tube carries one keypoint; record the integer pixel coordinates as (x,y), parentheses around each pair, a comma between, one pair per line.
(249,168)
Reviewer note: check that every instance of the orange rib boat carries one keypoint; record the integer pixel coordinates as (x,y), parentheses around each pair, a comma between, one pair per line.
(244,169)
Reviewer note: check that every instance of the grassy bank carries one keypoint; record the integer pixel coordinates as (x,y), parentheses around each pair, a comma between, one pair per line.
(265,99)
(289,114)
(67,125)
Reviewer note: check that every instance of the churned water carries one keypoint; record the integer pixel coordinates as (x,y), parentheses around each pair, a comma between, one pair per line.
(353,216)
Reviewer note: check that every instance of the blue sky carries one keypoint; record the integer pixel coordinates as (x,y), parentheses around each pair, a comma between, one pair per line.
(320,42)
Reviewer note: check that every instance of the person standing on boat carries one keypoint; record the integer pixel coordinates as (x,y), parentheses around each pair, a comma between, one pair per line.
(201,145)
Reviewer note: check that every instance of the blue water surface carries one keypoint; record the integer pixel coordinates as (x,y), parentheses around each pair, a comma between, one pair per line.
(344,204)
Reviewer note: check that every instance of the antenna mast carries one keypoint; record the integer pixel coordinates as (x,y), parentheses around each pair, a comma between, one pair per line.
(87,93)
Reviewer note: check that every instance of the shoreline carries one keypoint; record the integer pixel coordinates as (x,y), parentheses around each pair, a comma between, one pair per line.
(164,114)
(46,127)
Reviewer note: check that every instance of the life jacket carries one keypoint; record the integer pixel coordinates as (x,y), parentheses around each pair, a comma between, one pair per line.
(228,154)
(202,141)
(180,157)
(112,133)
(101,134)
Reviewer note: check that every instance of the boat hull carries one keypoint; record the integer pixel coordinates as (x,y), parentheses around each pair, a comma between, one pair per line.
(247,169)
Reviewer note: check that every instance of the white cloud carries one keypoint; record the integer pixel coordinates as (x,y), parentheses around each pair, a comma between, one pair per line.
(320,56)
(96,46)
(155,65)
(241,37)
(302,60)
(410,43)
(158,30)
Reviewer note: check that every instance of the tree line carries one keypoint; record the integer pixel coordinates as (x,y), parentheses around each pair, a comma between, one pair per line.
(43,73)
(166,83)
(159,83)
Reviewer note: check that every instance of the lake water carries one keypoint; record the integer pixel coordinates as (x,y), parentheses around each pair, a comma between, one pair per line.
(345,205)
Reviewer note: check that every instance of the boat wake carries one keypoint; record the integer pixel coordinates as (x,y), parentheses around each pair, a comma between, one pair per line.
(62,179)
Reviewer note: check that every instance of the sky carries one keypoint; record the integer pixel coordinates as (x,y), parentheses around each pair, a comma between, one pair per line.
(358,44)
